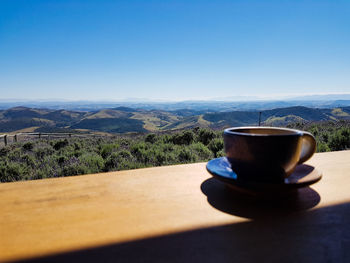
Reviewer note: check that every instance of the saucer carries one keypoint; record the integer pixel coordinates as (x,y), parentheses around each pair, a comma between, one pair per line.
(302,176)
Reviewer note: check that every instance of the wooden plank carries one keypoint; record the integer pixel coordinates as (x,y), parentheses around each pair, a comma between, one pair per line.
(177,208)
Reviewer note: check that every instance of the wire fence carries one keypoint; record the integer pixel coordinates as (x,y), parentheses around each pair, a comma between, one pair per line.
(6,139)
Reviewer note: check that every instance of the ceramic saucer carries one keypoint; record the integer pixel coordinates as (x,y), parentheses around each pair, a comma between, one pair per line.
(302,176)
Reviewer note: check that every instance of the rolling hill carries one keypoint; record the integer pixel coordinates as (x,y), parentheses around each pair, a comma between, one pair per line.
(123,119)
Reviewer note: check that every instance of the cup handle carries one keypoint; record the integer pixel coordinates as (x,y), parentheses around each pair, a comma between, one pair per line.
(308,147)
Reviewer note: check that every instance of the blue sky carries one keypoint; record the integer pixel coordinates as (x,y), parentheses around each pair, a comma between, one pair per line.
(172,50)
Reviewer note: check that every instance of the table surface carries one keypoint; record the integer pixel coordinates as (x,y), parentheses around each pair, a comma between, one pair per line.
(175,214)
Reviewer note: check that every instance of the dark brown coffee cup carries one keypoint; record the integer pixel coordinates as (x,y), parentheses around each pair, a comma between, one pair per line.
(267,154)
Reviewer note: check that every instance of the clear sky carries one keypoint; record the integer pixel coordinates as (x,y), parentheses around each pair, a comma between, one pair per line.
(172,50)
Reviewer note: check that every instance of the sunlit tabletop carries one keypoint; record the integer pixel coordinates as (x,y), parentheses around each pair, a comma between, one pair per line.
(175,214)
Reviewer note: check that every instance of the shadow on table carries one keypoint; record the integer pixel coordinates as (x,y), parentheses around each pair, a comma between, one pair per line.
(223,198)
(272,233)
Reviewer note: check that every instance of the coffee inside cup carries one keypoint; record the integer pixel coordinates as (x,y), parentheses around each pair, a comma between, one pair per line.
(264,131)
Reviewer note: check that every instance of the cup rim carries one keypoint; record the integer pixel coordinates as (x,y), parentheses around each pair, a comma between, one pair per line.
(234,131)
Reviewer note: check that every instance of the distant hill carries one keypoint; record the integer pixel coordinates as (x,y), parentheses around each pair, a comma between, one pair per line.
(125,119)
(276,117)
(231,103)
(23,112)
(114,125)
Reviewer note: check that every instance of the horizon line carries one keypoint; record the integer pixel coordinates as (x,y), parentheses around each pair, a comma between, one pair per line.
(239,98)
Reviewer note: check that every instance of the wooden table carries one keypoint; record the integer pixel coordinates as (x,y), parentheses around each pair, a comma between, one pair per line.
(175,214)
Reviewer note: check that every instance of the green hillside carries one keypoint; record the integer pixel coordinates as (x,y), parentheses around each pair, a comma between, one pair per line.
(23,112)
(305,113)
(275,117)
(235,118)
(124,120)
(282,121)
(113,125)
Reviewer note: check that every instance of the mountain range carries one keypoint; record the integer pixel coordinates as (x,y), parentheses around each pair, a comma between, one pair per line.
(125,119)
(233,103)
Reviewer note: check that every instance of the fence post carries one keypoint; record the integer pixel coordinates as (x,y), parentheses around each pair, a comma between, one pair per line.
(5,140)
(15,137)
(39,135)
(70,135)
(259,118)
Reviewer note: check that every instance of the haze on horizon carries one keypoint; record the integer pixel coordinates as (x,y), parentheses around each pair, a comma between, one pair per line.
(173,50)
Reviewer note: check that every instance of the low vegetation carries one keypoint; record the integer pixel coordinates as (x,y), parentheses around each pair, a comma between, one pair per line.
(330,135)
(74,156)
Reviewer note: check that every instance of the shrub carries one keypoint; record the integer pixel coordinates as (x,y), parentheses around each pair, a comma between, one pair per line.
(72,170)
(61,160)
(77,146)
(119,161)
(151,138)
(325,137)
(60,144)
(48,167)
(155,156)
(201,151)
(107,149)
(221,153)
(216,145)
(205,136)
(92,161)
(340,140)
(15,155)
(39,174)
(4,151)
(124,143)
(322,147)
(140,151)
(28,146)
(41,152)
(29,160)
(314,130)
(160,158)
(166,147)
(184,138)
(186,156)
(10,172)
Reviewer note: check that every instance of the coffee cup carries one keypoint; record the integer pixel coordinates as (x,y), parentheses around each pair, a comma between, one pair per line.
(267,154)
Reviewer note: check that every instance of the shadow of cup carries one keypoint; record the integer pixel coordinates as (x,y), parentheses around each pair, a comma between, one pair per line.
(225,199)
